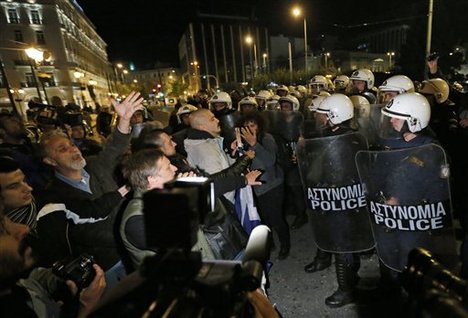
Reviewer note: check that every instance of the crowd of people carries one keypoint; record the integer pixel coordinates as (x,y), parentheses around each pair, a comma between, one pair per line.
(64,192)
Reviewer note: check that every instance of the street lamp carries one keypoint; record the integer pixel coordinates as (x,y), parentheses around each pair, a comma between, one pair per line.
(37,56)
(429,31)
(7,84)
(297,12)
(249,40)
(195,74)
(390,54)
(327,55)
(207,77)
(78,75)
(264,65)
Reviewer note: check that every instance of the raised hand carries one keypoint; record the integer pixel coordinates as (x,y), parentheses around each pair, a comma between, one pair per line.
(249,136)
(252,176)
(126,109)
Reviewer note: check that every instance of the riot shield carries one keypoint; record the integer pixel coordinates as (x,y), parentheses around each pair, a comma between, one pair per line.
(368,119)
(334,193)
(287,125)
(272,119)
(409,205)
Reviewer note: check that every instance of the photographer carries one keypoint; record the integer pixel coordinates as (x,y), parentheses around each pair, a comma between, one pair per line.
(26,291)
(434,70)
(150,169)
(146,170)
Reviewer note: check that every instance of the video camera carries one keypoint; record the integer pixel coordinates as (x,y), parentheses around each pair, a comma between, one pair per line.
(176,282)
(436,291)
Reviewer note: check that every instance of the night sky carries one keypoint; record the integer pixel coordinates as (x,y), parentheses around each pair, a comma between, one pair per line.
(146,31)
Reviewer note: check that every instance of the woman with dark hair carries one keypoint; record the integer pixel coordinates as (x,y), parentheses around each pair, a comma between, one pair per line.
(271,193)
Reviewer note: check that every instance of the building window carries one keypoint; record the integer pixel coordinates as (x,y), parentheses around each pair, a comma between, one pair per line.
(30,80)
(19,36)
(40,39)
(35,17)
(13,16)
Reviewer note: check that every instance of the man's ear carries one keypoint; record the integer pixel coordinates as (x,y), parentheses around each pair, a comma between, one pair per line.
(152,181)
(49,161)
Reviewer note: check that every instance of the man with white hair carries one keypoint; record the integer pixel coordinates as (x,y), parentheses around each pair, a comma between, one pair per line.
(84,194)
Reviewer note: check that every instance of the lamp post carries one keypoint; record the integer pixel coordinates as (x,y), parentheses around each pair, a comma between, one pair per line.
(78,75)
(7,84)
(327,55)
(207,77)
(264,64)
(290,63)
(297,12)
(390,54)
(429,28)
(36,56)
(195,74)
(249,40)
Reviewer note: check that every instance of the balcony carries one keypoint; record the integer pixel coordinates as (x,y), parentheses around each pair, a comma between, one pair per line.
(28,63)
(32,84)
(22,62)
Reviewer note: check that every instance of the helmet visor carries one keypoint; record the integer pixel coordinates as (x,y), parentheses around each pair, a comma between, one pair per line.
(392,126)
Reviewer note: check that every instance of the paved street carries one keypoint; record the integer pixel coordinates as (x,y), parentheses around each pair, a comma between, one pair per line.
(299,294)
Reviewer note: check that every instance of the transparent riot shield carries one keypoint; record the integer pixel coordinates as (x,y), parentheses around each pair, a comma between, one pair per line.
(334,193)
(287,125)
(368,120)
(409,205)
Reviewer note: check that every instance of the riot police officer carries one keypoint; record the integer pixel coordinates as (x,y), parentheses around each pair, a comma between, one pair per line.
(362,83)
(325,168)
(393,86)
(294,202)
(341,84)
(413,177)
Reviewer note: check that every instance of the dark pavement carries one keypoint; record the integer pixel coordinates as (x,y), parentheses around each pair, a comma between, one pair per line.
(299,294)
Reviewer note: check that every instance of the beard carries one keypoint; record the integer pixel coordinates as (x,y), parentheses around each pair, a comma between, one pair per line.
(78,163)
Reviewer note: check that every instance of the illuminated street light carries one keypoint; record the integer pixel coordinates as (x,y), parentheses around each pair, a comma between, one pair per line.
(78,74)
(297,12)
(327,55)
(37,56)
(390,54)
(207,77)
(264,65)
(249,40)
(196,78)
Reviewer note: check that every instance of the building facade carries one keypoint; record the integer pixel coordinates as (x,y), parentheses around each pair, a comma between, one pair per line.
(218,49)
(74,68)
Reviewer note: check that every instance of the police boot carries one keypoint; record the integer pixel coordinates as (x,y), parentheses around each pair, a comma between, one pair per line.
(321,261)
(347,280)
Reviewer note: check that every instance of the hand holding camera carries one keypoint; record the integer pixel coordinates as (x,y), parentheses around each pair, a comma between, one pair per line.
(79,270)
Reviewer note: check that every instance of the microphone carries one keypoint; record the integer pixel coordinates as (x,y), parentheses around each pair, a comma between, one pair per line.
(258,245)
